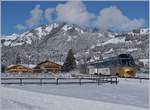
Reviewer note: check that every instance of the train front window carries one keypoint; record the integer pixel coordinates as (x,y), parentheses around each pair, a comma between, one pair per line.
(126,60)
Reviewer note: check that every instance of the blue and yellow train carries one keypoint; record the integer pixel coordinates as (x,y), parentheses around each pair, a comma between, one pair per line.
(122,65)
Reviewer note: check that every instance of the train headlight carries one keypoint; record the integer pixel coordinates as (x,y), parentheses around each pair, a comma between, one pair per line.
(129,71)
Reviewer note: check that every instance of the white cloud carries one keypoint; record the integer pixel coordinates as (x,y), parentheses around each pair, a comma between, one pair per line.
(20,27)
(48,14)
(36,16)
(74,12)
(113,18)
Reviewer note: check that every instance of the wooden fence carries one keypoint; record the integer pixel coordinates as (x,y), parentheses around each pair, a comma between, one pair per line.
(57,81)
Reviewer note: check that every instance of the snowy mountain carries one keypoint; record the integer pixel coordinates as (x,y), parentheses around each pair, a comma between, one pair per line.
(53,41)
(39,33)
(135,43)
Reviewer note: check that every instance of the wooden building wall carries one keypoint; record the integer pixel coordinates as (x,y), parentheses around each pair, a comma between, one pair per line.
(49,66)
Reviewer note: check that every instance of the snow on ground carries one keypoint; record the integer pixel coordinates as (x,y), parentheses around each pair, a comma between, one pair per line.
(11,37)
(27,100)
(69,38)
(110,51)
(129,94)
(144,31)
(145,61)
(132,49)
(115,40)
(142,75)
(7,43)
(14,105)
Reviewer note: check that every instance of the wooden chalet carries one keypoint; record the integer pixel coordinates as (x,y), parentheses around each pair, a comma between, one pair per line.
(18,68)
(47,66)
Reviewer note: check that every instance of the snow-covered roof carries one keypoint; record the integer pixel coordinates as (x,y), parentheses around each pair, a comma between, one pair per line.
(60,63)
(26,65)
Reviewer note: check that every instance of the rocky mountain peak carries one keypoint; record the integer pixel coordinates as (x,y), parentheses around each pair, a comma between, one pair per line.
(53,41)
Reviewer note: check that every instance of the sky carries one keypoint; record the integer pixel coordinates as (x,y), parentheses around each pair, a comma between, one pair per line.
(18,17)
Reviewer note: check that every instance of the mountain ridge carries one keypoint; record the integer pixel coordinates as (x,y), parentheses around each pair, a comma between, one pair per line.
(52,41)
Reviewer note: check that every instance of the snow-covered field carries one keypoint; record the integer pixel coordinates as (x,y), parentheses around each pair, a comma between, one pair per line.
(128,94)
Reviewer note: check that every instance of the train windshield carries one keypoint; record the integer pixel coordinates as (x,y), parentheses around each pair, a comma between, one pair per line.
(126,60)
(121,60)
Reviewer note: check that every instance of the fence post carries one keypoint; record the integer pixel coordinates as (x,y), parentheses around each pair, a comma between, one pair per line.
(98,80)
(103,79)
(80,80)
(111,80)
(116,81)
(57,81)
(41,81)
(20,81)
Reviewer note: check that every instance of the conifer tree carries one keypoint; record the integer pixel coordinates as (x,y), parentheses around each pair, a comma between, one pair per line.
(3,68)
(70,62)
